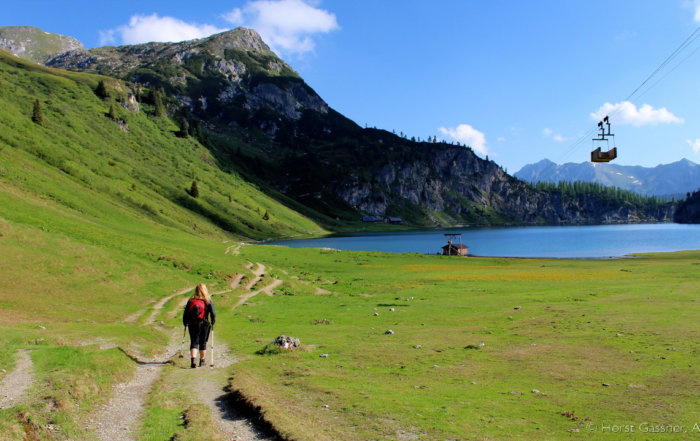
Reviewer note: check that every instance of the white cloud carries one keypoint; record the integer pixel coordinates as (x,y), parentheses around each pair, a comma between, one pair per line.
(549,133)
(696,3)
(147,28)
(286,25)
(466,134)
(695,145)
(234,17)
(501,139)
(626,113)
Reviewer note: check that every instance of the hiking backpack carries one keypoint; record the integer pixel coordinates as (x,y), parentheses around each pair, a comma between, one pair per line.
(196,309)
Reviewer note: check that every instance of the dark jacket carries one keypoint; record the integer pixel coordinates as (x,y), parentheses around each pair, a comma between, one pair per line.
(209,313)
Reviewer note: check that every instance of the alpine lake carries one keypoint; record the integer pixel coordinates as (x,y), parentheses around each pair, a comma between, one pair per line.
(581,242)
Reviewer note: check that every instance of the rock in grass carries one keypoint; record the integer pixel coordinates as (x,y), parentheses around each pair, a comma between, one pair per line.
(376,314)
(606,384)
(323,355)
(517,307)
(286,342)
(418,347)
(515,392)
(392,309)
(535,391)
(389,332)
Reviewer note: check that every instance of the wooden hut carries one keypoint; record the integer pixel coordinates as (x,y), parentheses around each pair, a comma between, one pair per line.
(452,249)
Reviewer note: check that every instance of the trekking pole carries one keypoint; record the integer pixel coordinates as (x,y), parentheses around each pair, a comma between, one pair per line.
(182,345)
(212,347)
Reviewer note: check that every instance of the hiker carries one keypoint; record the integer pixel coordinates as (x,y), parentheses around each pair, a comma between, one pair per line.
(199,316)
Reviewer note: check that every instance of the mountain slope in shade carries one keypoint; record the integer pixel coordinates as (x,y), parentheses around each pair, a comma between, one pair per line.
(674,179)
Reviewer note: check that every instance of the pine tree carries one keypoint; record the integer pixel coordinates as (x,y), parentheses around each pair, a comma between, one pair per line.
(158,103)
(184,131)
(194,190)
(37,115)
(112,113)
(101,90)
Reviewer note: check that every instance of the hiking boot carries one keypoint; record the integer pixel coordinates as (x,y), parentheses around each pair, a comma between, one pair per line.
(193,364)
(201,362)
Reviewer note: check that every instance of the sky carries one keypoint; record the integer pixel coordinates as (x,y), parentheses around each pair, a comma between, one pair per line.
(518,81)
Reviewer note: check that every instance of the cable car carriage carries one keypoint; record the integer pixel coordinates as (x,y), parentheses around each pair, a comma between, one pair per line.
(598,155)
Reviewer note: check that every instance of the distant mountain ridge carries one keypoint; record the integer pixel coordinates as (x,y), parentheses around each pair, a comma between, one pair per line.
(34,44)
(671,180)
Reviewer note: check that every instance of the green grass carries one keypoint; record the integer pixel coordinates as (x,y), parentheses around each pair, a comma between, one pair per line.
(580,324)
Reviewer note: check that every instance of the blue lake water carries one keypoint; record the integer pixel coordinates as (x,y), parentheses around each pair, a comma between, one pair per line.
(594,241)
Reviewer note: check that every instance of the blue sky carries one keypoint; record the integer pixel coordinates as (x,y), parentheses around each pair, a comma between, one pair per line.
(519,81)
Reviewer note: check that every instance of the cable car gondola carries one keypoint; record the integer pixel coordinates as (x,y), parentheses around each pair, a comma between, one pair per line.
(598,155)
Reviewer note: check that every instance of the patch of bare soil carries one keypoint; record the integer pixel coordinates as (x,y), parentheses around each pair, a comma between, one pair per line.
(14,386)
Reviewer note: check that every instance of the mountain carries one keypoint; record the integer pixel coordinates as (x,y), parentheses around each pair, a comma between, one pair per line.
(260,120)
(33,44)
(668,180)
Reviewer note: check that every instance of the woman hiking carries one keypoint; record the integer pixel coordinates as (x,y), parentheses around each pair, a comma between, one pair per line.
(199,316)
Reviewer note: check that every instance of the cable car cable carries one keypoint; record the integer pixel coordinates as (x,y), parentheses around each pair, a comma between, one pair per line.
(686,43)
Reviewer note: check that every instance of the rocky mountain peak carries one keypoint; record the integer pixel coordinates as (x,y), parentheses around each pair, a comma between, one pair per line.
(34,44)
(244,39)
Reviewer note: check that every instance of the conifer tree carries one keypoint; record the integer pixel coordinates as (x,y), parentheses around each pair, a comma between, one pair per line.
(184,131)
(37,115)
(101,90)
(112,113)
(158,103)
(194,190)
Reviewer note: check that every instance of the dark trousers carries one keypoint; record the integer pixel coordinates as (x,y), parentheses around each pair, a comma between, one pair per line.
(199,334)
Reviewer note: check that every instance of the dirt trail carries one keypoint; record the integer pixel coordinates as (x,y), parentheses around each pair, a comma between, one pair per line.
(120,417)
(269,290)
(233,284)
(258,272)
(14,386)
(228,417)
(230,421)
(158,306)
(234,249)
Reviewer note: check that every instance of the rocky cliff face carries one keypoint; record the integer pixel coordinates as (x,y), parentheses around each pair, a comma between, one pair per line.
(457,182)
(33,44)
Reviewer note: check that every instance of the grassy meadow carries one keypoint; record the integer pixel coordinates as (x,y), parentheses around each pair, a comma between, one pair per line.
(97,230)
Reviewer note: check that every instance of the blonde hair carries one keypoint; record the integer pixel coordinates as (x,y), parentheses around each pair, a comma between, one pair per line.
(201,293)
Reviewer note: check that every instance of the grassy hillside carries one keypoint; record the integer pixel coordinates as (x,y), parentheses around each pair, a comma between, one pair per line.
(118,173)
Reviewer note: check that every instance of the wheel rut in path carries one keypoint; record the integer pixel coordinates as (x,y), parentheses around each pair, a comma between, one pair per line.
(231,418)
(15,385)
